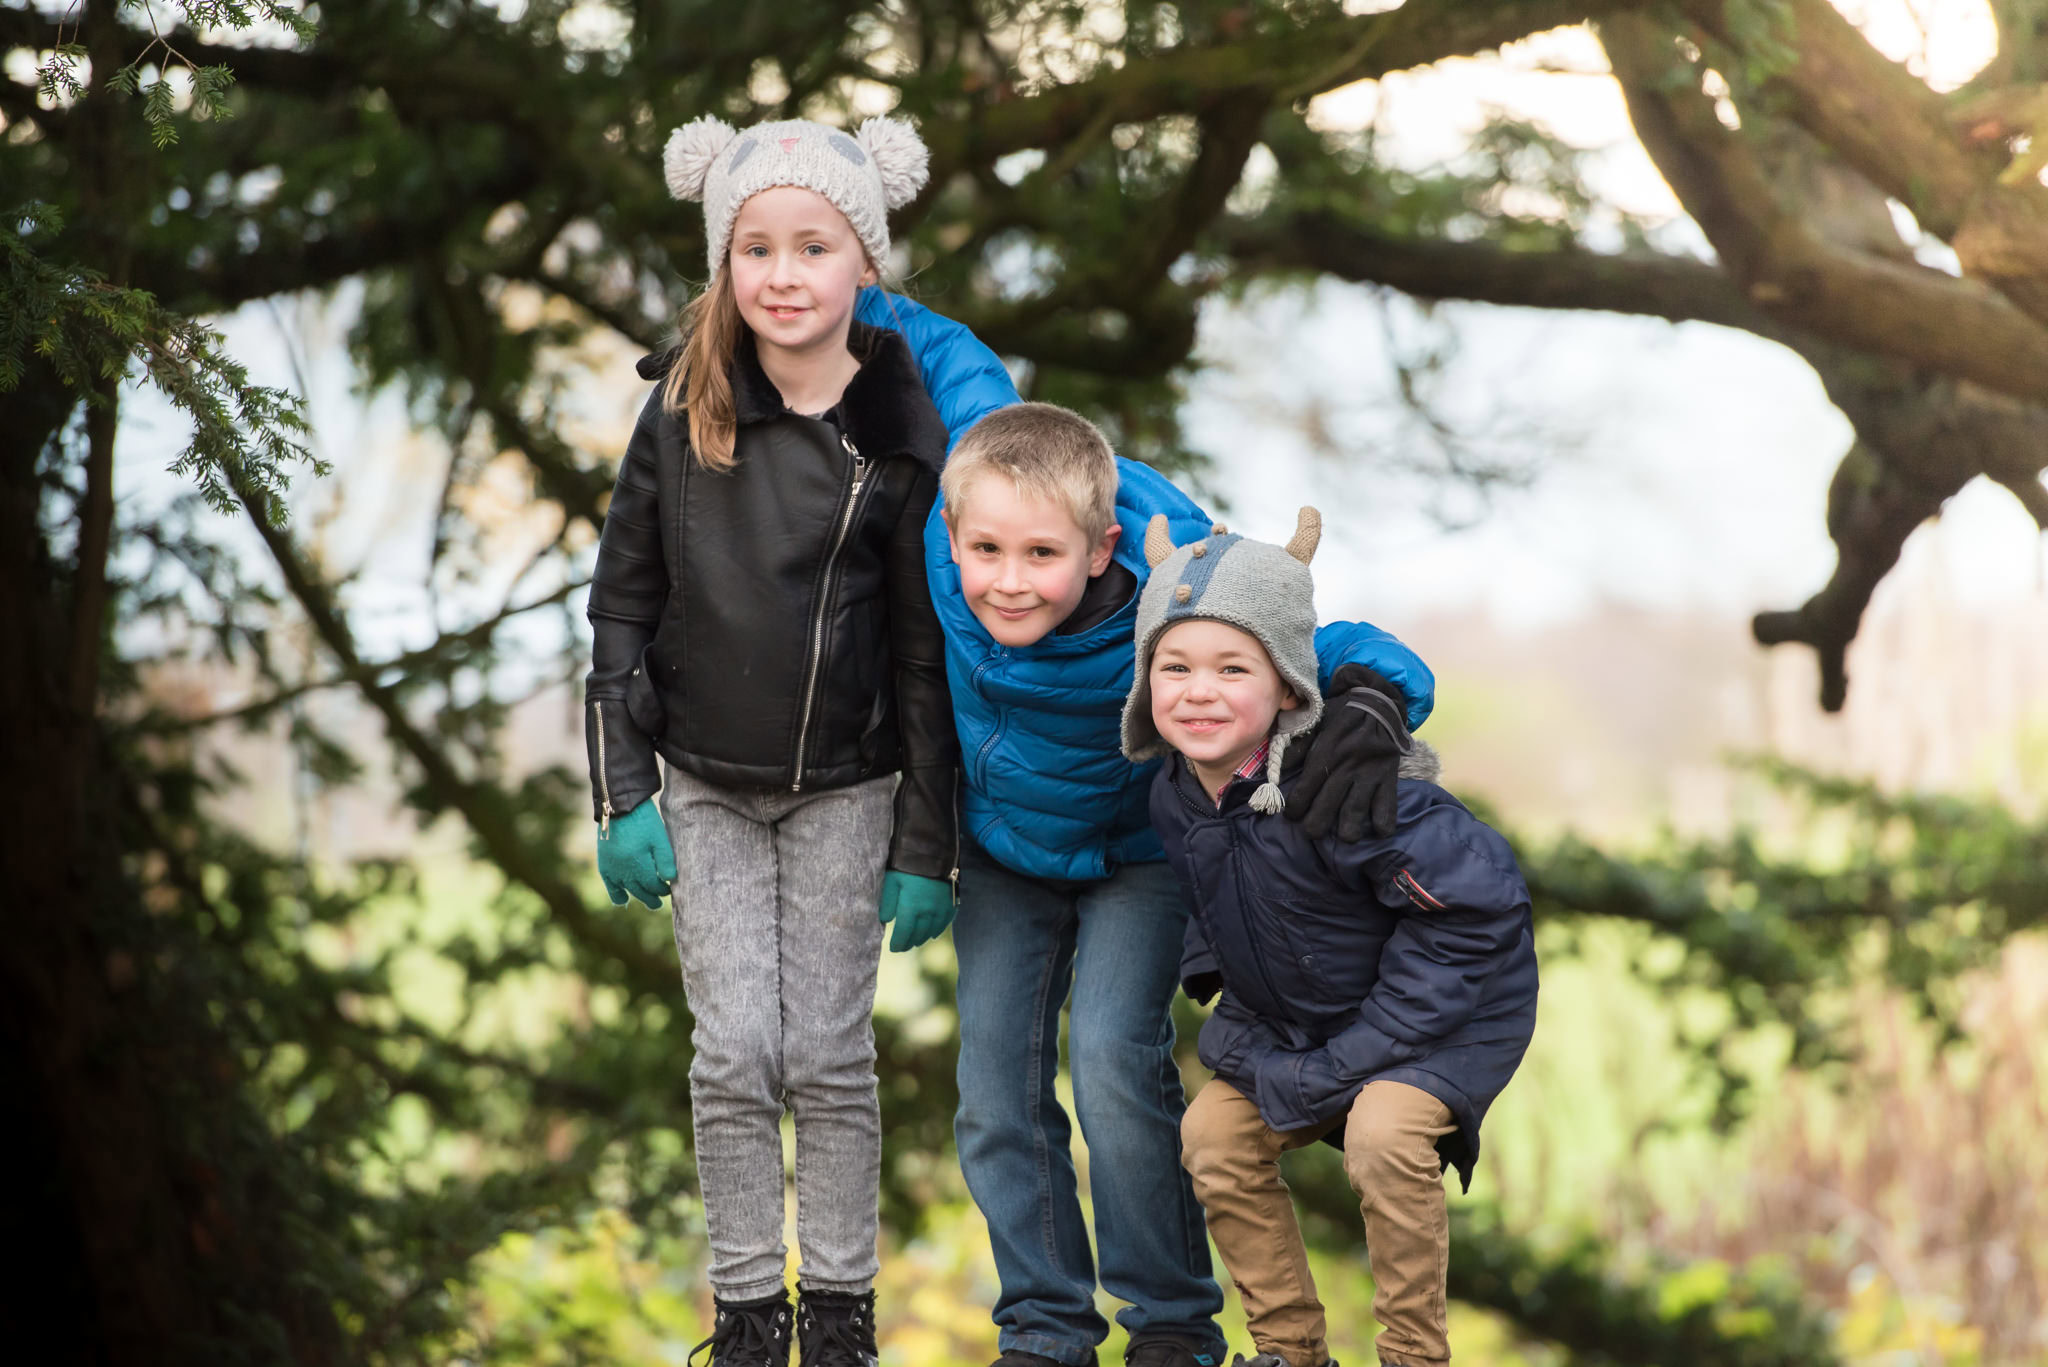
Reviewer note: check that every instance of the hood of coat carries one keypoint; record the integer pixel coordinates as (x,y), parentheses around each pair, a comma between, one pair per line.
(885,408)
(1422,762)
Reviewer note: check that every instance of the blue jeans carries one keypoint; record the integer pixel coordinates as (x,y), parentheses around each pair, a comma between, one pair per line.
(1023,943)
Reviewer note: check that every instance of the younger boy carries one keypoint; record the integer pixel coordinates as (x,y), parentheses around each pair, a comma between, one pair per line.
(1035,569)
(1377,993)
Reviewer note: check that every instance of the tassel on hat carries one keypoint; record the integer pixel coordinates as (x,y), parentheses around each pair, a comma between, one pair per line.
(1268,798)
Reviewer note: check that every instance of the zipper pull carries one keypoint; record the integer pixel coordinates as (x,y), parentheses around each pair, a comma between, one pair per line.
(860,462)
(954,879)
(604,777)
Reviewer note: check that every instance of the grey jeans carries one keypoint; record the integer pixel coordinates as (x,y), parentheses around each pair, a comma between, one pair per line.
(774,911)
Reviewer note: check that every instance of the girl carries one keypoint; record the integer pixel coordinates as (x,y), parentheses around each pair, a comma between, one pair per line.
(760,621)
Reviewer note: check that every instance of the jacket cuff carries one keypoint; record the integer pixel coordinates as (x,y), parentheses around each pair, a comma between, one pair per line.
(1363,1048)
(1281,1101)
(623,769)
(926,838)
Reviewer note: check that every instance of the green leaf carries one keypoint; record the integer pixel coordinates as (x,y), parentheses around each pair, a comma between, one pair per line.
(161,114)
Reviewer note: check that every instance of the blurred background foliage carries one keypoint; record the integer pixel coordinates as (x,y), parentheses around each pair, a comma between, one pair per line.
(422,1096)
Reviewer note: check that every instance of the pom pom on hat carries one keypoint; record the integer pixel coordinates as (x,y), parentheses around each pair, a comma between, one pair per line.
(901,159)
(686,161)
(863,174)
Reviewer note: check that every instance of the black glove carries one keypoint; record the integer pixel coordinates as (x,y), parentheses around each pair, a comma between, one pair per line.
(1352,774)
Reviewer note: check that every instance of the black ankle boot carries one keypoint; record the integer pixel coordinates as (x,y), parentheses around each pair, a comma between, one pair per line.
(749,1333)
(835,1329)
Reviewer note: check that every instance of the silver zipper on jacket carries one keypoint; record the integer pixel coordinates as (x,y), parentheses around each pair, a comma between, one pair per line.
(954,876)
(803,730)
(604,777)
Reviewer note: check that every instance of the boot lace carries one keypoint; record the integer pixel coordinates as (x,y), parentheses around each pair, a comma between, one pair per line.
(744,1338)
(839,1337)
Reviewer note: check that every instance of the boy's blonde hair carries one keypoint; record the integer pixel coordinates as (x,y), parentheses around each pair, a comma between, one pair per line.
(1046,452)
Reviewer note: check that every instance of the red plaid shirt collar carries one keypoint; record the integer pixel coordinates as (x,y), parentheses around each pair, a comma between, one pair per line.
(1253,764)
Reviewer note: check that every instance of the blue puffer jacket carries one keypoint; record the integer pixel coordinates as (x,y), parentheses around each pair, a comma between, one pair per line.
(1046,789)
(1407,958)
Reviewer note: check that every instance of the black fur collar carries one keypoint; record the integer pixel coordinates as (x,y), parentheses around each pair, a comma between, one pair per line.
(885,407)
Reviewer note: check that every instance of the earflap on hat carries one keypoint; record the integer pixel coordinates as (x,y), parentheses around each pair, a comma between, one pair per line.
(901,159)
(692,148)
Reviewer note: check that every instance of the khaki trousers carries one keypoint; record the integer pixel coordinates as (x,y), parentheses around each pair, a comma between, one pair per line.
(1390,1156)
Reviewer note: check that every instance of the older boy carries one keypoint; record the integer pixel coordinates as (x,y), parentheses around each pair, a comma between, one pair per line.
(1377,993)
(1035,570)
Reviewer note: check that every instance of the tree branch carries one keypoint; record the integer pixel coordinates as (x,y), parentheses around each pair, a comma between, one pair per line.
(629,323)
(580,490)
(1872,112)
(199,282)
(449,649)
(1143,341)
(1920,437)
(483,806)
(95,535)
(1864,301)
(1882,120)
(1294,60)
(1675,288)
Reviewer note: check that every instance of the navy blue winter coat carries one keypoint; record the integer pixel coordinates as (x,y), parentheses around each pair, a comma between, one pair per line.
(1406,958)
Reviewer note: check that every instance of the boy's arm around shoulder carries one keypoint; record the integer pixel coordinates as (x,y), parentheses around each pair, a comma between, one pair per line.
(1361,643)
(926,839)
(628,589)
(1465,909)
(966,380)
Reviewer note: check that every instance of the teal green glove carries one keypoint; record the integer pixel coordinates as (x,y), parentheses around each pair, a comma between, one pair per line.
(635,856)
(920,907)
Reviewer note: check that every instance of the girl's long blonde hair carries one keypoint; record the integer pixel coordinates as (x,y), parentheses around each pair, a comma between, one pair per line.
(701,379)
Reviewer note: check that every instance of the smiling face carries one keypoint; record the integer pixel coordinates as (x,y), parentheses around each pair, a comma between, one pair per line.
(1215,694)
(1024,561)
(796,266)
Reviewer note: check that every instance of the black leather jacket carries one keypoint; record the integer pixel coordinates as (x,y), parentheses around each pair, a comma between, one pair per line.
(770,626)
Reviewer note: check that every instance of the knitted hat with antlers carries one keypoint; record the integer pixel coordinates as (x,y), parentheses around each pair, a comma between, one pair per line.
(879,167)
(1255,586)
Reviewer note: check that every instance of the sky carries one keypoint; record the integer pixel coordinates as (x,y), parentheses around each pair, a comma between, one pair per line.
(1680,467)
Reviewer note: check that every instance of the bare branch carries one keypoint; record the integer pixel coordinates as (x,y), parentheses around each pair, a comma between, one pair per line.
(483,806)
(450,648)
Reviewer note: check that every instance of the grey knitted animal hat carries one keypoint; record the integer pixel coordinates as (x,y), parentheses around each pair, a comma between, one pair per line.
(1255,586)
(879,167)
